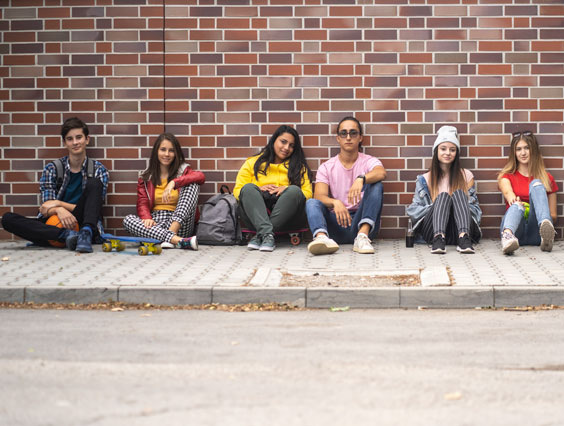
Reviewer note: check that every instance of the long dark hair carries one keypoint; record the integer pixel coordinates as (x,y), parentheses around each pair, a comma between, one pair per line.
(296,164)
(153,172)
(456,179)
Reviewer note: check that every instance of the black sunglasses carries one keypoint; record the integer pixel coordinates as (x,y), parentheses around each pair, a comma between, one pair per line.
(525,133)
(352,133)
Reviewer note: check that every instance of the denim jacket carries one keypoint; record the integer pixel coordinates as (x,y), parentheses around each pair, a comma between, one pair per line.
(422,203)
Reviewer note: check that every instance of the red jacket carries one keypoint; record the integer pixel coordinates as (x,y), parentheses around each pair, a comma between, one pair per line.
(146,190)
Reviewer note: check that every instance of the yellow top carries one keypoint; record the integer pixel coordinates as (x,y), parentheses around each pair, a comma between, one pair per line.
(173,198)
(277,174)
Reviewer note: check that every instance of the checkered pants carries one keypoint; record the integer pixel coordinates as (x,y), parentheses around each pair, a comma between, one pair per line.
(185,214)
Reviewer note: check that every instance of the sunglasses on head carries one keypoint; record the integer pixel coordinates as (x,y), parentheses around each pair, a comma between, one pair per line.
(352,133)
(525,133)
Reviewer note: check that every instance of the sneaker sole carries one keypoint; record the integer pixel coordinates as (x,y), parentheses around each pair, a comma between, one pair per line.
(321,248)
(467,250)
(83,249)
(547,235)
(266,249)
(438,251)
(511,247)
(253,247)
(194,243)
(72,243)
(363,251)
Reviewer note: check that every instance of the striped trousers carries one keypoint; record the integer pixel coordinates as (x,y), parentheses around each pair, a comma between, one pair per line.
(449,215)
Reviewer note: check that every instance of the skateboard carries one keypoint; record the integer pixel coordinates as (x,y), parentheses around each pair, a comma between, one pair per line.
(146,245)
(296,235)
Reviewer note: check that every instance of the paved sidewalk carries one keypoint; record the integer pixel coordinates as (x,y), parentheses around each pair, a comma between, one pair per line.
(235,275)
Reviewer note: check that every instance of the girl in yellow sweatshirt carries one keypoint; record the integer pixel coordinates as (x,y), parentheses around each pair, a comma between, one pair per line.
(278,180)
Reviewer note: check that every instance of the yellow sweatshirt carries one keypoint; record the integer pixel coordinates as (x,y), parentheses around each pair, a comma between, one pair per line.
(277,174)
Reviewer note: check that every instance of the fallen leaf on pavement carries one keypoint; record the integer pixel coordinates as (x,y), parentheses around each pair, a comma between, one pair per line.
(117,309)
(5,259)
(339,309)
(453,396)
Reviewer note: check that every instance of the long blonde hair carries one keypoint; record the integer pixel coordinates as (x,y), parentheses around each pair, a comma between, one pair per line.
(456,178)
(536,162)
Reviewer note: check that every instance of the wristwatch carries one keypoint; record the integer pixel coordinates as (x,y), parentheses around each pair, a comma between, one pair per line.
(363,177)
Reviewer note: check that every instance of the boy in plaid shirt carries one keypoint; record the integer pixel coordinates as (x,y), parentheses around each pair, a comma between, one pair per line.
(76,201)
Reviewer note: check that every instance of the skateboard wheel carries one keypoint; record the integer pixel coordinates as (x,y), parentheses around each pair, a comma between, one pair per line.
(107,247)
(295,240)
(158,249)
(121,246)
(142,251)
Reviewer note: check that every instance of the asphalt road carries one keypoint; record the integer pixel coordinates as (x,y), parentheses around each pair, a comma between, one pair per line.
(382,367)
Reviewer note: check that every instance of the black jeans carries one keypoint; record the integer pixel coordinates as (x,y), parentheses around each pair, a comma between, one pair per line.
(87,211)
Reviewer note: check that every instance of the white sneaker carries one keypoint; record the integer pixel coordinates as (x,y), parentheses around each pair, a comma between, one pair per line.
(166,245)
(509,243)
(546,232)
(362,244)
(322,244)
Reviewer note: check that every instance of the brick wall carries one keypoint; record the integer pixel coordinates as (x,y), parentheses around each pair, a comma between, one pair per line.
(223,74)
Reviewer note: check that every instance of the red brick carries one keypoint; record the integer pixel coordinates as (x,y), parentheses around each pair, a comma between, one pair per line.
(285,69)
(19,37)
(240,58)
(338,23)
(416,81)
(78,24)
(310,34)
(487,69)
(241,81)
(277,46)
(417,58)
(53,12)
(241,35)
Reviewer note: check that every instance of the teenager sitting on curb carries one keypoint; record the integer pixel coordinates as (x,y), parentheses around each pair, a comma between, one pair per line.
(524,180)
(348,196)
(445,207)
(78,200)
(278,179)
(167,197)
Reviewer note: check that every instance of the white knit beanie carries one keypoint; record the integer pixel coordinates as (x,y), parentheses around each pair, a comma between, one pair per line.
(447,134)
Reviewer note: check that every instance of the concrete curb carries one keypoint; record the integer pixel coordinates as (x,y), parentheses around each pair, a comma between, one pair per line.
(378,297)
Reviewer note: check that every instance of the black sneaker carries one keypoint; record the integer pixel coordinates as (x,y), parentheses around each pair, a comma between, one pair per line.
(465,244)
(439,244)
(84,241)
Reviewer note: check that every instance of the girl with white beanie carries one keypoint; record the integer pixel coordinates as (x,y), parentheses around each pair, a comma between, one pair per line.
(445,208)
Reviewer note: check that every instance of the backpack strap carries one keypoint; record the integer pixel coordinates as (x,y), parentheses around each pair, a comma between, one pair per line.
(224,189)
(90,168)
(59,172)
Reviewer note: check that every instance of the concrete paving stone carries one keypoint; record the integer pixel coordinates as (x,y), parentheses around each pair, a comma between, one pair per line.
(12,294)
(166,295)
(353,297)
(70,295)
(528,296)
(446,297)
(241,295)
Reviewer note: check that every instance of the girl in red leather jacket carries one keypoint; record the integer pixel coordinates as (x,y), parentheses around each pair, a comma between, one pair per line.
(167,197)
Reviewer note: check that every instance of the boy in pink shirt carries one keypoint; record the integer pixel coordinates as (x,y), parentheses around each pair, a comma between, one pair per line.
(347,201)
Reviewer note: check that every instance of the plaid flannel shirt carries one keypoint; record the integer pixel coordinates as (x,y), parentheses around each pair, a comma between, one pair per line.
(48,181)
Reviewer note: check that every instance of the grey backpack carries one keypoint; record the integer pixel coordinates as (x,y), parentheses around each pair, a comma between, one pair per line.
(219,221)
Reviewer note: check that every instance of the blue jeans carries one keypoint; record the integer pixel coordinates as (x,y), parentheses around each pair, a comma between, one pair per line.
(527,230)
(321,219)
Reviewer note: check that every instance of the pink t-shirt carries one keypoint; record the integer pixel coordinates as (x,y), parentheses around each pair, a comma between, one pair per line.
(340,179)
(443,184)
